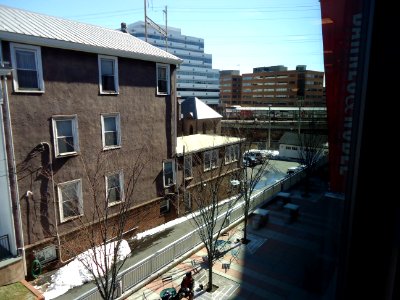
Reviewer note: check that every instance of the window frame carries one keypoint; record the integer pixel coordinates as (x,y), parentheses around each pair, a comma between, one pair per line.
(38,63)
(60,199)
(167,205)
(173,173)
(232,153)
(116,76)
(168,79)
(75,135)
(121,188)
(118,128)
(213,155)
(188,158)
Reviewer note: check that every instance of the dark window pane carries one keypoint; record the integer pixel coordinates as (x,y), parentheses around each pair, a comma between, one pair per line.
(162,86)
(65,144)
(111,139)
(64,128)
(114,195)
(108,83)
(27,79)
(107,67)
(25,60)
(110,124)
(70,200)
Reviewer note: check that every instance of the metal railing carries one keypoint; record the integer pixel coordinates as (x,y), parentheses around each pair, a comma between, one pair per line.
(4,247)
(150,265)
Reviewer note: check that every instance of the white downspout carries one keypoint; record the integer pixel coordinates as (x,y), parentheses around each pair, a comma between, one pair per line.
(11,162)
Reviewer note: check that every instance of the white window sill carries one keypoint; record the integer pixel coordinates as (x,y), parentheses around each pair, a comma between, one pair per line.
(115,203)
(62,220)
(29,91)
(66,154)
(105,148)
(109,93)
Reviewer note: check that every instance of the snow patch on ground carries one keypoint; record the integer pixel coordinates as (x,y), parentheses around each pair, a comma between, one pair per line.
(75,273)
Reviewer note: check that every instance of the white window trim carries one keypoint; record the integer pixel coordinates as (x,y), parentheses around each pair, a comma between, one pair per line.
(188,158)
(38,57)
(210,166)
(121,187)
(118,125)
(75,133)
(116,77)
(60,200)
(168,79)
(173,173)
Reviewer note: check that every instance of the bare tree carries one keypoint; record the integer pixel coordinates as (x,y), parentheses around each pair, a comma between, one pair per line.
(252,172)
(99,242)
(248,180)
(312,147)
(211,216)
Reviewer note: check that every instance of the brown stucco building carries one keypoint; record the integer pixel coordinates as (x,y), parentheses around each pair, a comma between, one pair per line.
(83,107)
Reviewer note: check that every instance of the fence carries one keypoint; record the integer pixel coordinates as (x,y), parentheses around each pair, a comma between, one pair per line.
(142,270)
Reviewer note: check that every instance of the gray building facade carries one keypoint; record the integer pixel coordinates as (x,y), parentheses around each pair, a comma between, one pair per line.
(195,77)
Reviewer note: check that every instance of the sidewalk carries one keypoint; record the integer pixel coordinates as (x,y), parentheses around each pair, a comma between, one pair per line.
(152,244)
(286,259)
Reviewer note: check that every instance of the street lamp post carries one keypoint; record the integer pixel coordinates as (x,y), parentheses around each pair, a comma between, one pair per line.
(269,126)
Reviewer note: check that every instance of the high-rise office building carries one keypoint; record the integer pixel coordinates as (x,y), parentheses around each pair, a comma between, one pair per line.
(195,77)
(230,82)
(278,86)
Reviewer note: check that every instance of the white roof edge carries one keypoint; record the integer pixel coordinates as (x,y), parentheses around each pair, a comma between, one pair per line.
(46,42)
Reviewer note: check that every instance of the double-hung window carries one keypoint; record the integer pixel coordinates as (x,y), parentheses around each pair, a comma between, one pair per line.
(108,74)
(27,64)
(65,134)
(231,153)
(188,166)
(114,187)
(169,173)
(210,160)
(163,81)
(70,199)
(111,132)
(164,206)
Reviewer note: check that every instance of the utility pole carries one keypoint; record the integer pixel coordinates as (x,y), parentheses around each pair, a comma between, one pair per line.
(166,28)
(148,21)
(145,21)
(269,126)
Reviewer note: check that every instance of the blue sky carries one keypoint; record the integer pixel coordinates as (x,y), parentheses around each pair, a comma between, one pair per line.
(240,34)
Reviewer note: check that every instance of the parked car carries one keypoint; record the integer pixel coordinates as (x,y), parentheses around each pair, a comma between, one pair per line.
(249,161)
(258,155)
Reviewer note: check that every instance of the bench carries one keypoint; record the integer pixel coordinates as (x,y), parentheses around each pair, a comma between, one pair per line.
(195,266)
(166,279)
(293,210)
(283,198)
(259,218)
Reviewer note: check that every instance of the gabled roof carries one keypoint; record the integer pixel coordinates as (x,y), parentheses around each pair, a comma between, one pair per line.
(22,26)
(197,109)
(202,142)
